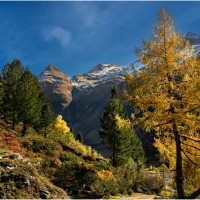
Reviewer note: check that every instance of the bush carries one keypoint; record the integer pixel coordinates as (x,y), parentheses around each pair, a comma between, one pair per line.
(42,145)
(126,176)
(85,175)
(65,156)
(105,188)
(149,184)
(101,166)
(63,138)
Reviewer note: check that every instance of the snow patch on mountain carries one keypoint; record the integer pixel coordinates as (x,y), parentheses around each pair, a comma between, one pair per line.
(49,77)
(102,73)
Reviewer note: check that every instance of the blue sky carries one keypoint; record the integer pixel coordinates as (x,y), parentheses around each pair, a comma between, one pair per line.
(76,36)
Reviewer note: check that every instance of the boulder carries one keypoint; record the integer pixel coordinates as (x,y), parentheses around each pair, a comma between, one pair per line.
(16,156)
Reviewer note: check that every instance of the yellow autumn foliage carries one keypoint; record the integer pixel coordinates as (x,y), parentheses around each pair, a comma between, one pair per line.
(60,125)
(122,123)
(89,166)
(167,93)
(105,175)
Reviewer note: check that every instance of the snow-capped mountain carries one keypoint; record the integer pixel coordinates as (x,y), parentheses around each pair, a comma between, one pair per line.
(52,75)
(103,73)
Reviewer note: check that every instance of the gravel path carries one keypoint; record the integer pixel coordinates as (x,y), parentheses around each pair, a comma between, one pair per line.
(139,196)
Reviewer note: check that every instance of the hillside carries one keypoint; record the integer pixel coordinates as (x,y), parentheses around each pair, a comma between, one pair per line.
(57,167)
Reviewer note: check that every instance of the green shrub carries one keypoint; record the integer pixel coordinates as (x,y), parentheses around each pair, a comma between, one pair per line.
(126,176)
(85,176)
(105,188)
(62,138)
(65,156)
(149,184)
(42,145)
(101,166)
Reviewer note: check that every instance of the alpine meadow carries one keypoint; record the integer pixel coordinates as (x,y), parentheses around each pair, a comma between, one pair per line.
(115,131)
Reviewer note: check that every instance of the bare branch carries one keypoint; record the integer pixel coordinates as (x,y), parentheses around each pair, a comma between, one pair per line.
(189,158)
(192,153)
(162,124)
(191,146)
(192,109)
(184,136)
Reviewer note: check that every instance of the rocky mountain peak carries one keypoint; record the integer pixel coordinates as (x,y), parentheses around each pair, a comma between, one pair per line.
(52,70)
(57,87)
(51,67)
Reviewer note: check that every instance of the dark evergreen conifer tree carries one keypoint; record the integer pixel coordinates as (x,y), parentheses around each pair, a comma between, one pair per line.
(11,74)
(47,116)
(29,108)
(109,132)
(128,144)
(138,153)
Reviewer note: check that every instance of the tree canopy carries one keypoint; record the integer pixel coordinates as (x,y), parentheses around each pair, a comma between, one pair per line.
(22,98)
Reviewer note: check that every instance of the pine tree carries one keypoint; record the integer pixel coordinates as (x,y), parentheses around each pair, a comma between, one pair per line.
(29,108)
(167,93)
(109,130)
(127,143)
(11,74)
(47,116)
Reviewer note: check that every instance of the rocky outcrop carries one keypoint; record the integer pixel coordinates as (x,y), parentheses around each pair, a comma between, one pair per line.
(21,180)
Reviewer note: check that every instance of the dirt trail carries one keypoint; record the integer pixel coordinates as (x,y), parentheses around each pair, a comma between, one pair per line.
(139,196)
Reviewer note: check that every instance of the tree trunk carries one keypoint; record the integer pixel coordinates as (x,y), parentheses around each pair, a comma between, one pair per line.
(179,170)
(45,131)
(13,123)
(194,195)
(24,130)
(114,155)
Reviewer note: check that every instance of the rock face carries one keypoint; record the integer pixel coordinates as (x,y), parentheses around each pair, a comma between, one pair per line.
(21,180)
(84,112)
(57,87)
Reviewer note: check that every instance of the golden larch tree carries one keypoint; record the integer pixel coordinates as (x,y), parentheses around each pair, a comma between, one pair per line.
(167,95)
